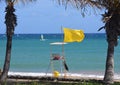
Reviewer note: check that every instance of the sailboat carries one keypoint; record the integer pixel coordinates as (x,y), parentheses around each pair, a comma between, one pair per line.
(42,37)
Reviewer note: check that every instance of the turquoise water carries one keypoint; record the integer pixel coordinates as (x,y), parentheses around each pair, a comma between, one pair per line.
(30,54)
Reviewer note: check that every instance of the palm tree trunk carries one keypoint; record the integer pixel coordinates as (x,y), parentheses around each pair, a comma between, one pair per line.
(10,21)
(109,71)
(7,59)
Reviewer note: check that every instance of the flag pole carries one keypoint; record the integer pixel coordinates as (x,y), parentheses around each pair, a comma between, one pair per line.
(63,55)
(62,48)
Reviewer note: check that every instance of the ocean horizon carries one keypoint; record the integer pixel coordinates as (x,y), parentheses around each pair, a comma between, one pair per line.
(31,54)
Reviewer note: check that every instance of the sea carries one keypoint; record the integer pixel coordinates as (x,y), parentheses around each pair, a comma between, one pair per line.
(31,54)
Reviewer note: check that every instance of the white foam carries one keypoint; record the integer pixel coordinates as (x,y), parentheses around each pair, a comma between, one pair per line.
(28,74)
(68,74)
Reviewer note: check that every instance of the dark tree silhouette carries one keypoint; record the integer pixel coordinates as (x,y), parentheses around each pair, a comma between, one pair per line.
(11,22)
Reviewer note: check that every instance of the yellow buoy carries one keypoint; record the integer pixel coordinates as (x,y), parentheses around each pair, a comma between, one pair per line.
(56,74)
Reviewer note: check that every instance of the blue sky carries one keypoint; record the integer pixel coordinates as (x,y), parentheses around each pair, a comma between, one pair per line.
(46,16)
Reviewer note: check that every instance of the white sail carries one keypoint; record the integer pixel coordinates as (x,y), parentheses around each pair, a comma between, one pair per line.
(42,38)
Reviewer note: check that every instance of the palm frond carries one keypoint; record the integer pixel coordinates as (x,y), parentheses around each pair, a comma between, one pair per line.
(83,5)
(99,4)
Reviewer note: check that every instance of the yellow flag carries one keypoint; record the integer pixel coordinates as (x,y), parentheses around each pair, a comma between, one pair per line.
(71,35)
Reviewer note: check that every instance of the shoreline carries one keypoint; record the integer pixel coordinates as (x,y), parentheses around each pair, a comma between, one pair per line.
(36,75)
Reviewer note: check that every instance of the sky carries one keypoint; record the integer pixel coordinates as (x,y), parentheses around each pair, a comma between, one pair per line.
(47,16)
